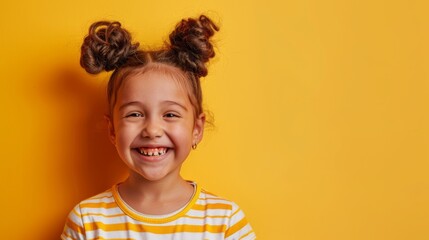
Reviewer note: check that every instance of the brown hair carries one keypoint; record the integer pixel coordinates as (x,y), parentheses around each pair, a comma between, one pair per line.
(109,47)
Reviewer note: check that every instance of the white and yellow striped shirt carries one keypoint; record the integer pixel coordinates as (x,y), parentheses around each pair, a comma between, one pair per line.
(206,216)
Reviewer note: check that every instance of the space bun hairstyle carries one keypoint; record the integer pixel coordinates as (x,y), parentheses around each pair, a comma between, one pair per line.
(109,47)
(190,42)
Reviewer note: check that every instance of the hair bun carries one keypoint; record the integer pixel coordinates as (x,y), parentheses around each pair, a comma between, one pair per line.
(190,42)
(106,47)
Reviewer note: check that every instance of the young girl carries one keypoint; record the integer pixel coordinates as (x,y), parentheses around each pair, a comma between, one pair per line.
(156,118)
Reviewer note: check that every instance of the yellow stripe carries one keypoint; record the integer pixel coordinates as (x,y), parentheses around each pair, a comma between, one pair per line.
(155,229)
(99,205)
(233,229)
(67,235)
(212,206)
(76,213)
(245,235)
(102,238)
(104,195)
(103,215)
(205,217)
(122,214)
(236,211)
(73,226)
(212,198)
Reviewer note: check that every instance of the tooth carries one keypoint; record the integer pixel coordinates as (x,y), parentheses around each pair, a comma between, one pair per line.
(153,151)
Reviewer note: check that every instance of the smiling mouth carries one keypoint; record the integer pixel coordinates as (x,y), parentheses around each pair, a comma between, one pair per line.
(152,151)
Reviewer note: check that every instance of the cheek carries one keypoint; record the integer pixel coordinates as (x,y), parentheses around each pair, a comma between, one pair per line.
(183,134)
(125,134)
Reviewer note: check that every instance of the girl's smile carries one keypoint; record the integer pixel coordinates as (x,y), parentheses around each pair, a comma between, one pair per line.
(158,151)
(152,154)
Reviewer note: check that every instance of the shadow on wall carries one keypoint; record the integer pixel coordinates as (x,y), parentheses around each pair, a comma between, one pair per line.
(86,162)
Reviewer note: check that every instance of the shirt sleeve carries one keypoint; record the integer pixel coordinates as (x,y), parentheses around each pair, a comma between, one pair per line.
(74,228)
(238,227)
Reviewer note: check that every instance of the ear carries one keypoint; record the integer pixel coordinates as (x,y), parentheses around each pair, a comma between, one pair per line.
(111,129)
(199,128)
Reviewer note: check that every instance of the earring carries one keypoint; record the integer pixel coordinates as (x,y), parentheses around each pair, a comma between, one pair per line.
(194,146)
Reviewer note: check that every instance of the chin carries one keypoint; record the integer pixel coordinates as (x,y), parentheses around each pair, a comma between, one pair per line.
(153,177)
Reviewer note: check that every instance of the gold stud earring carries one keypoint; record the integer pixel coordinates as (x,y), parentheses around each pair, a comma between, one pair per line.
(194,146)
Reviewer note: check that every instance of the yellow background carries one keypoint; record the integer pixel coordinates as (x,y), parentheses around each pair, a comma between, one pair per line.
(321,109)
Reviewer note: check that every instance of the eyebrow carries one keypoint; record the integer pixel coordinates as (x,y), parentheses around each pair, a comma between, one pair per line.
(128,104)
(169,102)
(176,103)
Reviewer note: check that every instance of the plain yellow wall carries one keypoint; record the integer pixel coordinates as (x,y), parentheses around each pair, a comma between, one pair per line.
(321,109)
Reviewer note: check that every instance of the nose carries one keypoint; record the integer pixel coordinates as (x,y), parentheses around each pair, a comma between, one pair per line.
(152,128)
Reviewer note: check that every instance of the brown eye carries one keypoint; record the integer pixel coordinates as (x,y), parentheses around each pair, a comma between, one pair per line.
(134,114)
(170,115)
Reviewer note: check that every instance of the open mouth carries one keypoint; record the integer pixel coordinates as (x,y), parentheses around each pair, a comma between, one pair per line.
(159,151)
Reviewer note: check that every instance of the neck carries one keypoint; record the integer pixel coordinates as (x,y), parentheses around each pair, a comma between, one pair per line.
(155,197)
(154,190)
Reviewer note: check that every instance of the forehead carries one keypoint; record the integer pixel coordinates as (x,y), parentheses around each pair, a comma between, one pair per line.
(152,85)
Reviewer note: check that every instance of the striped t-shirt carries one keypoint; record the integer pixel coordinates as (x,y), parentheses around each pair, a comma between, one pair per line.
(206,216)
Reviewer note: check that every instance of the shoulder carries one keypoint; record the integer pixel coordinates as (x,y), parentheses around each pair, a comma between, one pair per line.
(84,212)
(102,203)
(95,205)
(212,200)
(237,226)
(99,199)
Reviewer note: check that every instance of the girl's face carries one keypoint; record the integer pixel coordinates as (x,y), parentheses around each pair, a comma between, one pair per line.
(154,126)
